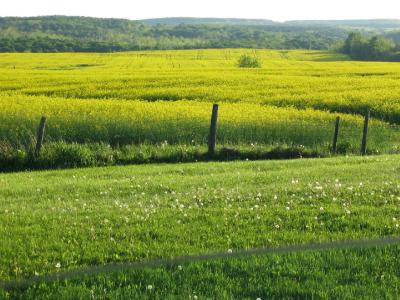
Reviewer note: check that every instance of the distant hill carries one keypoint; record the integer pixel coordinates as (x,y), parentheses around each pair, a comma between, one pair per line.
(379,24)
(84,34)
(384,24)
(210,21)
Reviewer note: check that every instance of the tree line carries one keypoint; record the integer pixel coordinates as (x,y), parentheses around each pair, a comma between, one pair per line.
(375,48)
(60,34)
(83,34)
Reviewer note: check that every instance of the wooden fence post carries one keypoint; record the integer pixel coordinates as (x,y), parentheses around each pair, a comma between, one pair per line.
(336,134)
(212,139)
(365,134)
(40,135)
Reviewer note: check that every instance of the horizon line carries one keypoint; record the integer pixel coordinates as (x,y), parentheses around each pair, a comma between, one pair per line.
(217,18)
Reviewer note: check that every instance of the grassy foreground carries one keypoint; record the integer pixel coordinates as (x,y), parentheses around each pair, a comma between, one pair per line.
(58,220)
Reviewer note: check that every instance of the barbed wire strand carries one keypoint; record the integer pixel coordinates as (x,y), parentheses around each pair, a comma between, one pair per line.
(335,245)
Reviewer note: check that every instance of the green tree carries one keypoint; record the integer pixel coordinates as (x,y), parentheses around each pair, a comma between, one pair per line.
(247,61)
(380,48)
(356,46)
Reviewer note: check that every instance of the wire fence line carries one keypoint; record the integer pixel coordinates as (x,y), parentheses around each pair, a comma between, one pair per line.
(164,262)
(307,132)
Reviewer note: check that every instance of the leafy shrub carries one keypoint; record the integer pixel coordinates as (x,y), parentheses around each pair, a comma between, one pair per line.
(66,155)
(11,158)
(344,148)
(103,154)
(247,61)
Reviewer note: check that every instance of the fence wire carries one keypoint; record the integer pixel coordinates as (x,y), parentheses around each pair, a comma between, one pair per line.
(164,262)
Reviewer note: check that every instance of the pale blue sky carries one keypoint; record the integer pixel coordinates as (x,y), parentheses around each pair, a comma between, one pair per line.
(278,10)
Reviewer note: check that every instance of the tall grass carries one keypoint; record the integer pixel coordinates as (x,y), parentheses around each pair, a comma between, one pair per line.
(117,122)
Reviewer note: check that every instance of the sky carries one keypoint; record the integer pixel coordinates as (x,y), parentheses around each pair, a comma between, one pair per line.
(277,10)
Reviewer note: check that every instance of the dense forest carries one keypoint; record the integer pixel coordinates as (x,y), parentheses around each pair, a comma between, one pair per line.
(375,48)
(83,34)
(58,34)
(394,36)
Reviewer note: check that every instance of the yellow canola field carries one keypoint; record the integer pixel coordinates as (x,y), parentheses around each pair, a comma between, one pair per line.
(158,96)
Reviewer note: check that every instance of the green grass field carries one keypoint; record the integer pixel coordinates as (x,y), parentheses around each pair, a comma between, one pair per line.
(61,220)
(153,98)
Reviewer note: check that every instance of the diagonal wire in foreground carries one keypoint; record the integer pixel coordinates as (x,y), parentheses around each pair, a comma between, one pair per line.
(336,245)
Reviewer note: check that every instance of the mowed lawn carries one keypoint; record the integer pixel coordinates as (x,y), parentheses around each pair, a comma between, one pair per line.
(53,221)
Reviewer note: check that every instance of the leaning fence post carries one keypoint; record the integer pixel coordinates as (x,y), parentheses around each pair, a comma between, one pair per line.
(212,139)
(365,134)
(336,134)
(40,135)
